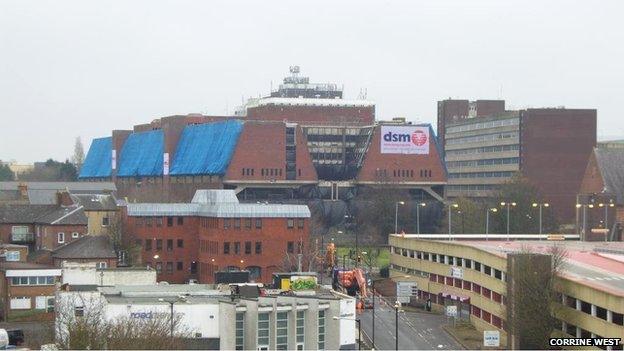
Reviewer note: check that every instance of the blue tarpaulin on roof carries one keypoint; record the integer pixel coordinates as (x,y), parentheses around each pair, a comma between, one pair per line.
(206,148)
(97,164)
(142,155)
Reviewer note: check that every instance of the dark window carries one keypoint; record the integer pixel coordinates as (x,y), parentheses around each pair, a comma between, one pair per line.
(237,248)
(300,222)
(169,244)
(477,266)
(237,223)
(138,242)
(226,248)
(247,223)
(148,221)
(169,267)
(487,270)
(180,220)
(601,313)
(159,221)
(468,263)
(290,223)
(585,307)
(247,247)
(180,266)
(159,267)
(226,223)
(193,267)
(105,221)
(258,223)
(258,247)
(158,244)
(148,244)
(180,243)
(290,247)
(498,274)
(169,221)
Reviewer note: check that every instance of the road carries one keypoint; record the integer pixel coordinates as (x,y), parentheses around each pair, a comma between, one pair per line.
(417,331)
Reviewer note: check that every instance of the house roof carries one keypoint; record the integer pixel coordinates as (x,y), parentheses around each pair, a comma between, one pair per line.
(23,265)
(46,214)
(44,193)
(88,246)
(96,202)
(611,166)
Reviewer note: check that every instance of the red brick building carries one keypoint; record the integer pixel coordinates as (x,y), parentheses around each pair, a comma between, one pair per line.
(215,232)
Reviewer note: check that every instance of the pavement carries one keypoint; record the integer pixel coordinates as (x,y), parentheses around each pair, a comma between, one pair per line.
(417,331)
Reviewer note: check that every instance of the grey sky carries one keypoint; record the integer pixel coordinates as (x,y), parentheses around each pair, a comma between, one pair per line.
(81,68)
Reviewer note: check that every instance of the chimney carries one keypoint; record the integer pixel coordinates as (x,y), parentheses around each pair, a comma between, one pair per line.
(63,198)
(23,191)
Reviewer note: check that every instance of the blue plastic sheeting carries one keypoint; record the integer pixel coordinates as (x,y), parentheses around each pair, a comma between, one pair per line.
(206,149)
(142,155)
(98,161)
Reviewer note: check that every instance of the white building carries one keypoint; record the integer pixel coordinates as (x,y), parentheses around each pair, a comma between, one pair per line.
(218,320)
(88,274)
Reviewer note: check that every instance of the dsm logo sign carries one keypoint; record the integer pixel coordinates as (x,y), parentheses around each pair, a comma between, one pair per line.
(404,140)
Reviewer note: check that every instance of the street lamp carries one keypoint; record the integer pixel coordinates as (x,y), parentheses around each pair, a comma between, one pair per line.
(359,328)
(584,206)
(535,204)
(397,305)
(450,216)
(487,221)
(373,292)
(508,204)
(606,220)
(171,303)
(396,216)
(422,204)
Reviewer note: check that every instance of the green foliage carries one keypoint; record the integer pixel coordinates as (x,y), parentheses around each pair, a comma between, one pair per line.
(303,284)
(6,174)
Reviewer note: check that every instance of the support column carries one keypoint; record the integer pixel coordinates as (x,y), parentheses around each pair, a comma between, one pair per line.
(593,310)
(578,304)
(609,316)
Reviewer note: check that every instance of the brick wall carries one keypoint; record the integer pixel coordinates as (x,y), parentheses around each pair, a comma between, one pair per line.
(396,165)
(307,114)
(47,235)
(555,149)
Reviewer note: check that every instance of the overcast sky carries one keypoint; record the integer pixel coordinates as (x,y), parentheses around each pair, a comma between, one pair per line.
(81,68)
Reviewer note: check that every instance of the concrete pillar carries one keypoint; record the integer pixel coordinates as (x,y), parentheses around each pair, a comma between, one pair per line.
(578,332)
(578,304)
(593,310)
(609,316)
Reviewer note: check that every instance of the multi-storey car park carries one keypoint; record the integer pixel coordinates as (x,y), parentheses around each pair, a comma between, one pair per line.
(485,145)
(303,142)
(472,272)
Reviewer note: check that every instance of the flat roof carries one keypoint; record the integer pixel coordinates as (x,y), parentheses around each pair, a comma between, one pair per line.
(596,264)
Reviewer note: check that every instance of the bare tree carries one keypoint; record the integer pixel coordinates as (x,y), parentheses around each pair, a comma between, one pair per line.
(533,297)
(311,258)
(123,242)
(79,156)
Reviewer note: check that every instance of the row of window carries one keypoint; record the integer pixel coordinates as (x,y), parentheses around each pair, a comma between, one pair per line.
(47,280)
(469,187)
(482,138)
(483,150)
(271,172)
(157,221)
(159,244)
(169,267)
(593,310)
(237,248)
(60,237)
(483,125)
(451,261)
(228,222)
(486,162)
(172,179)
(481,175)
(579,332)
(402,173)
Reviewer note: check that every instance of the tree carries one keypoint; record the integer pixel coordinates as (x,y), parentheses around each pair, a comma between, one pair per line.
(78,158)
(311,257)
(6,173)
(123,242)
(375,211)
(52,170)
(468,217)
(523,217)
(533,298)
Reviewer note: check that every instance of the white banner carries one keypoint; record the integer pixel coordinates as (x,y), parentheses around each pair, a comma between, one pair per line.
(166,163)
(457,272)
(114,159)
(404,140)
(491,338)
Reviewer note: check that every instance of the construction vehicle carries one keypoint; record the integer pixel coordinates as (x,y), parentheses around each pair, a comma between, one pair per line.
(353,282)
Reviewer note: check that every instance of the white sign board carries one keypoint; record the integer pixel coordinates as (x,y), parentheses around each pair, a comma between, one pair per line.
(405,290)
(405,140)
(451,311)
(114,159)
(457,272)
(166,163)
(491,338)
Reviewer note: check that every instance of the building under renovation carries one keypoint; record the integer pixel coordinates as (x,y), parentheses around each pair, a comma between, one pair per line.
(301,143)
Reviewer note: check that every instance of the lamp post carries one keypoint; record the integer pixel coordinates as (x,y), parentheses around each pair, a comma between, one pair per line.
(422,204)
(359,328)
(373,291)
(508,204)
(584,206)
(540,213)
(397,305)
(396,216)
(487,221)
(606,220)
(450,217)
(171,303)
